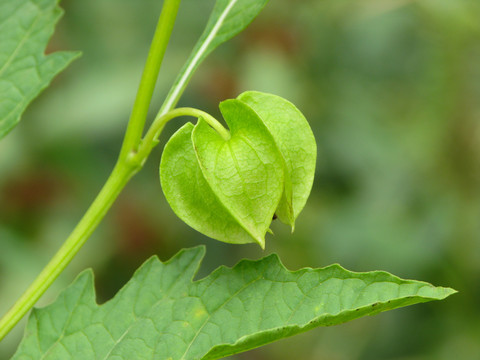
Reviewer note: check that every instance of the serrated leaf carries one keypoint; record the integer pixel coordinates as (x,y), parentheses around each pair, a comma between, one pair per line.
(161,314)
(190,196)
(228,18)
(296,142)
(25,28)
(218,185)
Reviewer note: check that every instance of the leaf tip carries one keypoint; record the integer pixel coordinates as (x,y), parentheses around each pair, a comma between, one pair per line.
(260,241)
(194,255)
(447,291)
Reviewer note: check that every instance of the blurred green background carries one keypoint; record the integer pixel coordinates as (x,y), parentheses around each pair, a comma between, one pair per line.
(391,89)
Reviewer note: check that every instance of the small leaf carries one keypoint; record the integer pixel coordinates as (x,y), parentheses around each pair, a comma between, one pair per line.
(217,185)
(228,18)
(161,314)
(25,28)
(296,142)
(190,196)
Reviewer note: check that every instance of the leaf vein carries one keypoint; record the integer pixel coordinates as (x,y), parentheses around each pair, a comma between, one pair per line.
(215,311)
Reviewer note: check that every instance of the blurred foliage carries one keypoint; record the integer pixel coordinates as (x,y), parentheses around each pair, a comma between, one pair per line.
(392,91)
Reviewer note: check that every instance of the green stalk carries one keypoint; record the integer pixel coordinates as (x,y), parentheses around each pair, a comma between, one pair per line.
(97,210)
(117,180)
(149,77)
(121,174)
(150,139)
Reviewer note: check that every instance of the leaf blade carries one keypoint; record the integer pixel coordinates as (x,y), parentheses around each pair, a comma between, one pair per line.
(228,18)
(26,27)
(161,313)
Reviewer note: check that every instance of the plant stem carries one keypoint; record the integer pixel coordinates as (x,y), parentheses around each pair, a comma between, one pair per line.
(150,139)
(133,155)
(149,77)
(121,174)
(97,210)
